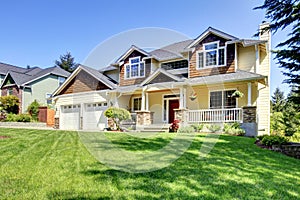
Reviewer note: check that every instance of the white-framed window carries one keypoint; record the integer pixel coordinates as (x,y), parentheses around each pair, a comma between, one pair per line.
(222,99)
(136,103)
(135,68)
(61,80)
(48,98)
(9,91)
(212,55)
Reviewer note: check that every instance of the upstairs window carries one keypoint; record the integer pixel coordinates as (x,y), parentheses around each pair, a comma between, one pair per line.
(175,65)
(212,55)
(135,68)
(61,80)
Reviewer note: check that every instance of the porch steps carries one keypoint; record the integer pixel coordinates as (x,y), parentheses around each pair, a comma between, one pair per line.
(159,128)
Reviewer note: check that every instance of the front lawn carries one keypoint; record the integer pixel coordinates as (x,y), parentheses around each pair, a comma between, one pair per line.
(40,164)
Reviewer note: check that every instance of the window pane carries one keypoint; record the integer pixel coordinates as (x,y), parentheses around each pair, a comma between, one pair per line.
(216,99)
(137,104)
(221,56)
(134,70)
(135,60)
(127,71)
(211,58)
(142,69)
(229,101)
(211,46)
(200,60)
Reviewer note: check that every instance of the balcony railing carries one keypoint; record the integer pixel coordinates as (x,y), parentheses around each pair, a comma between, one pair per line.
(215,115)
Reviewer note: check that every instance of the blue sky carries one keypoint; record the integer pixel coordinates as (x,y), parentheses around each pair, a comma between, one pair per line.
(36,32)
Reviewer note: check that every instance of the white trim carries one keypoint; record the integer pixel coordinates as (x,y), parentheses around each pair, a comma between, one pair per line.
(139,68)
(167,106)
(156,73)
(80,94)
(235,57)
(217,55)
(76,72)
(222,90)
(249,88)
(213,31)
(256,68)
(129,51)
(132,103)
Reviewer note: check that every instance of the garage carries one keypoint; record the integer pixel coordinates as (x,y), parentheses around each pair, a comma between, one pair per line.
(70,117)
(93,116)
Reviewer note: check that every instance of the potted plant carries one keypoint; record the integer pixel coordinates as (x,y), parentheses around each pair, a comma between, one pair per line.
(237,94)
(193,96)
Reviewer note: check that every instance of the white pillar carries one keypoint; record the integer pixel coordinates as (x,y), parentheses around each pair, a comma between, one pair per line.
(184,97)
(143,101)
(249,94)
(147,101)
(181,102)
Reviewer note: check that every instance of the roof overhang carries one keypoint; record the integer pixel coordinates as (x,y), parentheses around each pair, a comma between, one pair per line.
(156,73)
(129,51)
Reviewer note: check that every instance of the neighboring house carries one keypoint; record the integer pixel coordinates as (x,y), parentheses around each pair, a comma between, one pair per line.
(192,81)
(31,84)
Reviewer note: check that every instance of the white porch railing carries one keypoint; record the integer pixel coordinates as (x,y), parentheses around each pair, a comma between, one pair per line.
(215,115)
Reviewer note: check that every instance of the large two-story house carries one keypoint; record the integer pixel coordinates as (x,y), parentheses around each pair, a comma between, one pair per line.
(194,81)
(29,84)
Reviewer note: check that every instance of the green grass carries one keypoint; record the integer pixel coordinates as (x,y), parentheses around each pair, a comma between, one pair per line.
(39,164)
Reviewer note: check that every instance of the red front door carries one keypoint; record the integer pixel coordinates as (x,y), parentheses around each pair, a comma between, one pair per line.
(173,104)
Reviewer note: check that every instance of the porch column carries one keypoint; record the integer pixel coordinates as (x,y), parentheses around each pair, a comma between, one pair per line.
(143,101)
(182,101)
(249,94)
(184,97)
(147,101)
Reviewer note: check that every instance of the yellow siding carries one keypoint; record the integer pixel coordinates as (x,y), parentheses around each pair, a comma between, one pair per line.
(246,58)
(263,100)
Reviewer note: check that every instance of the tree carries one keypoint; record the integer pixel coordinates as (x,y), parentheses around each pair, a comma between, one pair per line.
(117,115)
(10,104)
(33,110)
(278,101)
(66,62)
(286,14)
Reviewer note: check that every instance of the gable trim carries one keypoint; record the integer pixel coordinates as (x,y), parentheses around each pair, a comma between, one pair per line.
(129,51)
(73,75)
(156,73)
(213,31)
(6,76)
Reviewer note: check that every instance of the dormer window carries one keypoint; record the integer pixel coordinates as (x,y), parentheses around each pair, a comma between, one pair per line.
(135,68)
(212,55)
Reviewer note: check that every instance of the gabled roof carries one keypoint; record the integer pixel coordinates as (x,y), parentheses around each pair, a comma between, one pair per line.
(4,68)
(156,73)
(129,51)
(93,72)
(248,42)
(22,76)
(213,31)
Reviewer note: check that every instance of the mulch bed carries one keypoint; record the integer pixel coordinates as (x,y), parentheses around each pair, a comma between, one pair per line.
(2,137)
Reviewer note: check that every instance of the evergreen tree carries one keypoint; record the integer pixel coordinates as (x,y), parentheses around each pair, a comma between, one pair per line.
(286,14)
(66,62)
(278,101)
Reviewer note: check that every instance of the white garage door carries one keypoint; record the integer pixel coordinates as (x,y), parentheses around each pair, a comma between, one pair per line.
(69,117)
(93,116)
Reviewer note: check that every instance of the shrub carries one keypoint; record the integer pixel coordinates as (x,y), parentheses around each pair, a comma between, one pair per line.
(260,137)
(276,123)
(174,126)
(18,118)
(10,104)
(186,129)
(233,129)
(214,128)
(33,110)
(117,115)
(197,127)
(270,140)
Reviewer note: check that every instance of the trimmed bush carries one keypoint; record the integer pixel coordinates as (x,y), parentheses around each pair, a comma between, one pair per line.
(214,128)
(197,127)
(186,129)
(270,140)
(10,104)
(33,110)
(117,115)
(18,118)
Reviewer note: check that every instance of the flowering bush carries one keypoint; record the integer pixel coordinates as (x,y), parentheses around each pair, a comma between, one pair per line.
(174,126)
